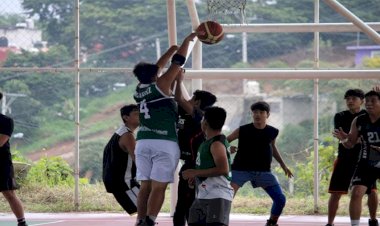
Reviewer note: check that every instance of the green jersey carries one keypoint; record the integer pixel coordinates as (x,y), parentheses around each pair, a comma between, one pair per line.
(158,113)
(218,186)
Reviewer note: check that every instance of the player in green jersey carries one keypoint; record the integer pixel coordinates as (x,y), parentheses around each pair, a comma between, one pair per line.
(157,151)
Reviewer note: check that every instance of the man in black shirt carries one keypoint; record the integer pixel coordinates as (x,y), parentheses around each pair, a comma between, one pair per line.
(7,180)
(365,127)
(256,147)
(119,169)
(345,163)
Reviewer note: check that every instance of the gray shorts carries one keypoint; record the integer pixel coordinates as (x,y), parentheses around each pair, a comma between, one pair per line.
(156,160)
(207,211)
(257,179)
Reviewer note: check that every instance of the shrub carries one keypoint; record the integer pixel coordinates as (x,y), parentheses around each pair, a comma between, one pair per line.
(51,171)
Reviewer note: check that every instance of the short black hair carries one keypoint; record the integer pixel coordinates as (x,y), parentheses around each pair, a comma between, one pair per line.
(372,93)
(207,99)
(145,72)
(1,95)
(127,109)
(215,117)
(354,93)
(261,105)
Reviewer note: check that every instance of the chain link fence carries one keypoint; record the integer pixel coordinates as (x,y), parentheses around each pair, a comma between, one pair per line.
(41,97)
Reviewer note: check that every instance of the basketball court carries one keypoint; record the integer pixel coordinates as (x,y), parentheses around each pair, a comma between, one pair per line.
(118,219)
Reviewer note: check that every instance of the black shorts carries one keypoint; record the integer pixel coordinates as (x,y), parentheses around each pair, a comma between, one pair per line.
(210,211)
(366,175)
(127,199)
(7,179)
(343,171)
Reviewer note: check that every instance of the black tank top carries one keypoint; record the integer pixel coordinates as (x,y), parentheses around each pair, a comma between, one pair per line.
(370,135)
(254,148)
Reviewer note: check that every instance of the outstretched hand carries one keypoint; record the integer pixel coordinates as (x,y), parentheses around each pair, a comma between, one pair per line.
(340,134)
(191,36)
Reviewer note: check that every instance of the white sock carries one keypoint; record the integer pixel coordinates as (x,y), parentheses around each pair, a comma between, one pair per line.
(355,222)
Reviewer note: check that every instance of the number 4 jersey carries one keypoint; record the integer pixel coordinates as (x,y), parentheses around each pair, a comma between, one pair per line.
(158,113)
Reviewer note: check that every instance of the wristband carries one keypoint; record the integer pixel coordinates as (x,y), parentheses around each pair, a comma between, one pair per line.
(178,59)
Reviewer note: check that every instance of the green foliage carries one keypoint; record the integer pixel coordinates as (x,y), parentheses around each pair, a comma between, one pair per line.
(373,62)
(18,157)
(51,171)
(10,20)
(92,158)
(277,64)
(304,173)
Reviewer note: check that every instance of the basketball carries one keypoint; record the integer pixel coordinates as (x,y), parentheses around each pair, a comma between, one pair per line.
(210,32)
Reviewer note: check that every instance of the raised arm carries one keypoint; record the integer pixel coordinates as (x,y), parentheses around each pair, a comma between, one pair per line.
(185,104)
(164,59)
(165,81)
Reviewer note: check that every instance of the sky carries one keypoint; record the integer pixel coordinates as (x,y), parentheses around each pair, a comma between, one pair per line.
(10,6)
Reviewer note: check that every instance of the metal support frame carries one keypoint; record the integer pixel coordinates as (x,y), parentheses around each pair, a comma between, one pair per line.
(339,8)
(77,105)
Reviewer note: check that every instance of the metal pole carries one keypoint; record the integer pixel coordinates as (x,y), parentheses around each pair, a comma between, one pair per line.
(77,105)
(158,48)
(339,8)
(171,17)
(244,58)
(3,105)
(316,107)
(296,27)
(197,49)
(258,74)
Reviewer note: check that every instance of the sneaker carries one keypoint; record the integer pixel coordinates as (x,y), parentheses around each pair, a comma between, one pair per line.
(22,224)
(149,222)
(329,224)
(140,223)
(373,222)
(271,223)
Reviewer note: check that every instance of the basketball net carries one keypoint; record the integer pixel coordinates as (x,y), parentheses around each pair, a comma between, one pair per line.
(230,10)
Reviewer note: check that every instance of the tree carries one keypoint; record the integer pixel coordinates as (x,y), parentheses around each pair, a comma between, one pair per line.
(106,26)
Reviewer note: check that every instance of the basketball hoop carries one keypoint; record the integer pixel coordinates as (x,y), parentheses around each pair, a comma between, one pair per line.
(228,9)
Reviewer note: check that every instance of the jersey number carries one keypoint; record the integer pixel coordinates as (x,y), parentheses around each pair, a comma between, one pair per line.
(373,137)
(144,109)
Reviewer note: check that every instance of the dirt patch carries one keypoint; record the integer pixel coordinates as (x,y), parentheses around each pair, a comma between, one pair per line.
(66,149)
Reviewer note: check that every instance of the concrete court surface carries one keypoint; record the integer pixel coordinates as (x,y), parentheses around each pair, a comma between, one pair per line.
(119,219)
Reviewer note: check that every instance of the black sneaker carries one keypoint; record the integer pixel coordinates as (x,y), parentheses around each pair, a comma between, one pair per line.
(140,223)
(373,222)
(149,222)
(329,224)
(271,223)
(22,224)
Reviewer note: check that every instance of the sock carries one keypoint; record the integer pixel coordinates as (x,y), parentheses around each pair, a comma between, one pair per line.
(21,220)
(355,222)
(138,220)
(153,218)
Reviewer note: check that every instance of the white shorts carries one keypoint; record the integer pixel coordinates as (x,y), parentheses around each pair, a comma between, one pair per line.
(156,160)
